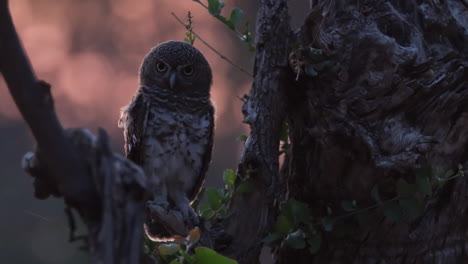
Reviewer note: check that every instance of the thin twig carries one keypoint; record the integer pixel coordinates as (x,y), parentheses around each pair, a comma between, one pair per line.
(323,19)
(212,48)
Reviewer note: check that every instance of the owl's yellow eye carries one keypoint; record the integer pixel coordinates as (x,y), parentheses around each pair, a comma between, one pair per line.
(187,70)
(161,67)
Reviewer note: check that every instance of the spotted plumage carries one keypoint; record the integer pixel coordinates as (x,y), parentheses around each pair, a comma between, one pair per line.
(168,125)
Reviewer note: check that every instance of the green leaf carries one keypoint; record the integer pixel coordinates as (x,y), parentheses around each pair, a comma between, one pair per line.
(272,238)
(322,65)
(175,261)
(404,189)
(392,211)
(229,177)
(327,223)
(283,225)
(414,206)
(423,185)
(188,259)
(296,240)
(348,206)
(315,241)
(449,173)
(365,219)
(375,194)
(242,137)
(316,54)
(246,187)
(215,6)
(296,211)
(236,16)
(214,198)
(168,249)
(186,40)
(310,71)
(206,255)
(205,212)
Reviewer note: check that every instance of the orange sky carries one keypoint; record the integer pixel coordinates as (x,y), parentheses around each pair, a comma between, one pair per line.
(90,52)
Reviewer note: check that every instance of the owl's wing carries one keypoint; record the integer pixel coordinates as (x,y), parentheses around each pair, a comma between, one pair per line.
(133,118)
(206,157)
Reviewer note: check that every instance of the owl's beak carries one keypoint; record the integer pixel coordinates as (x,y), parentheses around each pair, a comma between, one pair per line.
(172,79)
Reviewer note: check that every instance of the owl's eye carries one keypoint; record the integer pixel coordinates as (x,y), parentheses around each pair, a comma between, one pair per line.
(161,67)
(187,70)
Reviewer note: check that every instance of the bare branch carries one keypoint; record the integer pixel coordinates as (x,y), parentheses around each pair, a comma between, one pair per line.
(33,98)
(213,49)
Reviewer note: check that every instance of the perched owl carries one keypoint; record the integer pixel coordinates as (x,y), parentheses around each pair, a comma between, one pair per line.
(168,126)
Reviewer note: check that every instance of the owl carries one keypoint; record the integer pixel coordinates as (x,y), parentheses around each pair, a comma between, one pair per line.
(168,126)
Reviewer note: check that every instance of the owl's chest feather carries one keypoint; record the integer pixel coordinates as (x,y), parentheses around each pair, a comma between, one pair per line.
(175,143)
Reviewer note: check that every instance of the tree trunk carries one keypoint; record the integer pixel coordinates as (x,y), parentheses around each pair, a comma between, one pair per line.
(394,101)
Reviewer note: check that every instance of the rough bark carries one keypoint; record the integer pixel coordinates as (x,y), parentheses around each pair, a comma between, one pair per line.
(394,101)
(252,213)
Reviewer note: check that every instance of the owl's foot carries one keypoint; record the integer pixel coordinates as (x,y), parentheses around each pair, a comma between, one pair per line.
(190,217)
(162,224)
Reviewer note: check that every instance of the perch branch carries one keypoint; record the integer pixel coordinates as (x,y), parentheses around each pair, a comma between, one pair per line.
(66,169)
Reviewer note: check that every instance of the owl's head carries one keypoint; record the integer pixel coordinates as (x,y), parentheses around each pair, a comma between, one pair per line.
(177,66)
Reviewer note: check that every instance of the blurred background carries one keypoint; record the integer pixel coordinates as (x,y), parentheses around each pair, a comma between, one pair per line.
(90,52)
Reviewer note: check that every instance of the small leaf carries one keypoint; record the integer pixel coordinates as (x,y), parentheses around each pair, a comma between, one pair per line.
(284,132)
(310,71)
(282,225)
(423,185)
(175,261)
(297,212)
(414,206)
(236,16)
(296,240)
(449,173)
(207,213)
(168,249)
(375,194)
(208,256)
(316,54)
(348,206)
(327,223)
(322,65)
(187,259)
(229,177)
(214,198)
(272,238)
(315,241)
(194,235)
(186,40)
(215,6)
(242,137)
(392,211)
(404,189)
